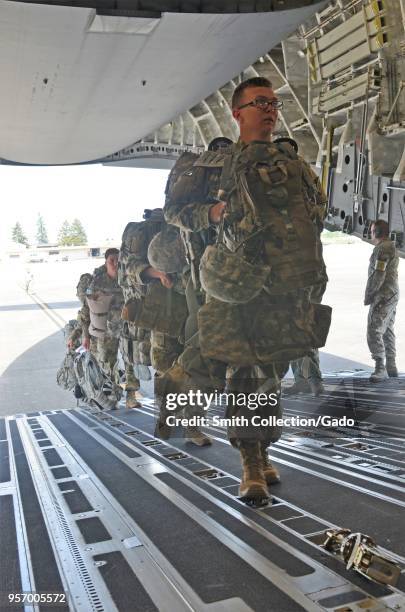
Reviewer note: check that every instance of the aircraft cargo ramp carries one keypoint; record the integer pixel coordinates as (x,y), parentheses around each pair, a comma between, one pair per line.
(93,505)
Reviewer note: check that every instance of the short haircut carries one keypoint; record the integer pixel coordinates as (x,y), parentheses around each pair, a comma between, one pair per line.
(111,251)
(253,82)
(381,228)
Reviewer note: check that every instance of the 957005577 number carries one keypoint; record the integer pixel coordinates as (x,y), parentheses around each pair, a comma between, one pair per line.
(11,600)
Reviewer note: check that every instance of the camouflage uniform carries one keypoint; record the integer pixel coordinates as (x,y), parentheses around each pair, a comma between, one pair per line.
(382,294)
(307,370)
(192,371)
(191,214)
(162,348)
(105,347)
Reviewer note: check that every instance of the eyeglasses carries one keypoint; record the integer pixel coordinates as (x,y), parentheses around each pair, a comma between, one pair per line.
(263,104)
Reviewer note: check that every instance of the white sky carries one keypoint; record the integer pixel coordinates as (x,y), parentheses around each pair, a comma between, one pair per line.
(103,198)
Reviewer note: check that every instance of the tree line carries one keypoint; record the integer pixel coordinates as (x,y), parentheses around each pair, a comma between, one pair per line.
(70,234)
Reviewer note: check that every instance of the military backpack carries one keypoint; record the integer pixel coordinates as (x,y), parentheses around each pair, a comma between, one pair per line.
(267,225)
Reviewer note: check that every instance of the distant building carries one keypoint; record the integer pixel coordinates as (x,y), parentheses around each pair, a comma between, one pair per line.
(52,252)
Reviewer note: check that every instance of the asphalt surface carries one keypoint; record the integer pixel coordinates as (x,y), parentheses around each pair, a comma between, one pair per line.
(32,344)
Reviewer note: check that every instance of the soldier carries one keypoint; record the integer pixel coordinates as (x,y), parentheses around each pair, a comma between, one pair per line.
(135,273)
(191,372)
(382,295)
(255,109)
(100,318)
(149,239)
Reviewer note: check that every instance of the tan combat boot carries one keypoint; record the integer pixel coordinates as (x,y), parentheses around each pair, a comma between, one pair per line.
(131,399)
(253,487)
(380,373)
(391,366)
(271,473)
(194,435)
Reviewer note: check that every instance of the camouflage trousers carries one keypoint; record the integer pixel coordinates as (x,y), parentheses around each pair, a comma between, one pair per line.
(307,367)
(164,351)
(380,329)
(239,388)
(135,350)
(105,350)
(253,403)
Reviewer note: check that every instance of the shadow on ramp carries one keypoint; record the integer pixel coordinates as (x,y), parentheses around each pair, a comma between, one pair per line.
(29,382)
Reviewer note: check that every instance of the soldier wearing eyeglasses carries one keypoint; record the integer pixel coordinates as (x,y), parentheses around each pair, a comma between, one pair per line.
(255,107)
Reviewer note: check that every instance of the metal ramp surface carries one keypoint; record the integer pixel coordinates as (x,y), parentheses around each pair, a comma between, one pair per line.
(92,505)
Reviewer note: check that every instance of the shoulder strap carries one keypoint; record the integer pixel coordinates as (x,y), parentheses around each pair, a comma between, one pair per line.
(211,159)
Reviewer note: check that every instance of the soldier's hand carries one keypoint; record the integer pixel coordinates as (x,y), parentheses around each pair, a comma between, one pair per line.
(70,344)
(216,212)
(86,343)
(166,280)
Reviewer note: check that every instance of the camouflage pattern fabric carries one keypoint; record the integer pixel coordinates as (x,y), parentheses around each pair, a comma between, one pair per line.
(187,206)
(105,350)
(147,346)
(135,344)
(164,351)
(133,258)
(102,283)
(308,367)
(166,251)
(382,294)
(380,329)
(382,282)
(251,382)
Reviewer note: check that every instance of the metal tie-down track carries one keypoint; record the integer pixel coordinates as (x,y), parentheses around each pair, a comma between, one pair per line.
(93,505)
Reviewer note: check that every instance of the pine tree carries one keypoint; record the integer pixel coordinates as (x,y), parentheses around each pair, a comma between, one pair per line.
(18,235)
(64,234)
(78,234)
(42,235)
(72,234)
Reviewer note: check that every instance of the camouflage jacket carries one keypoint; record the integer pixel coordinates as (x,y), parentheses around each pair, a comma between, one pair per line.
(191,195)
(102,283)
(316,198)
(188,208)
(382,282)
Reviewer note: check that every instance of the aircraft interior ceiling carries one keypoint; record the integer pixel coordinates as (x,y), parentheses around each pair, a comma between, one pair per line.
(81,84)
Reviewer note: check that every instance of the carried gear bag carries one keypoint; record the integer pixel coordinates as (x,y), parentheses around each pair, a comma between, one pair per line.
(267,225)
(259,333)
(163,310)
(130,245)
(66,376)
(98,314)
(229,277)
(95,385)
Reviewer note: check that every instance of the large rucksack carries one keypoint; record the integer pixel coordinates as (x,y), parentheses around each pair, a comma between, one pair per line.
(135,233)
(66,375)
(94,384)
(268,221)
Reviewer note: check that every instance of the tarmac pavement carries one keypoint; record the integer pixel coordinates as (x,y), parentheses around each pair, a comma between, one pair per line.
(32,344)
